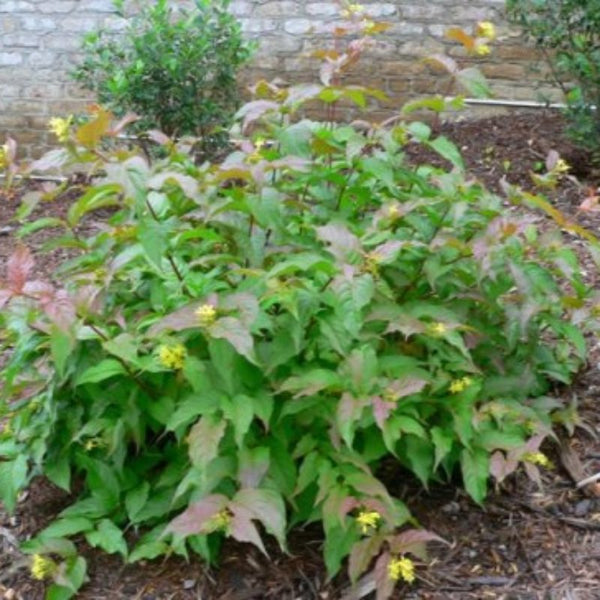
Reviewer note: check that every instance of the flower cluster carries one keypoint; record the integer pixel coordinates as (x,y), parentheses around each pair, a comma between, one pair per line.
(367,520)
(459,385)
(403,568)
(220,521)
(172,357)
(42,567)
(206,314)
(61,127)
(537,458)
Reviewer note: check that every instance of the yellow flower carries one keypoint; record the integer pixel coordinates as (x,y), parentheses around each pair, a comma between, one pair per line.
(42,567)
(94,443)
(353,9)
(561,166)
(3,156)
(60,127)
(367,520)
(401,568)
(206,314)
(458,385)
(537,458)
(482,50)
(486,29)
(172,357)
(393,212)
(220,521)
(438,329)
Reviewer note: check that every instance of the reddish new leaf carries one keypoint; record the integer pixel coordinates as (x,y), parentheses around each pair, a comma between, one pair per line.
(243,529)
(362,554)
(194,518)
(204,439)
(383,583)
(413,541)
(234,331)
(265,506)
(19,266)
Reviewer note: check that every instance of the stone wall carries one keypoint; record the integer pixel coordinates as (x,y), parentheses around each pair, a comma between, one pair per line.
(40,39)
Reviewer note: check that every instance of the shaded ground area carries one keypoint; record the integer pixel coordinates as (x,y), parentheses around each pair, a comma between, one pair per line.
(526,544)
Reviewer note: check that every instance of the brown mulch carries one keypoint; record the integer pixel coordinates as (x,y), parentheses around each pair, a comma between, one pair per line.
(525,544)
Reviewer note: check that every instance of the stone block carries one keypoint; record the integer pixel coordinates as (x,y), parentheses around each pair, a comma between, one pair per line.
(10,58)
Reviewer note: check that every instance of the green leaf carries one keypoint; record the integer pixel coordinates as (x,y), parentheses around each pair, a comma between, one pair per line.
(62,344)
(475,471)
(105,369)
(192,406)
(448,150)
(66,527)
(240,412)
(442,442)
(58,471)
(100,196)
(13,476)
(136,499)
(108,537)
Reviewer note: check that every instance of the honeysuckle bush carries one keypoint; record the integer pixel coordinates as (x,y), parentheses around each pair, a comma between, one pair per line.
(239,347)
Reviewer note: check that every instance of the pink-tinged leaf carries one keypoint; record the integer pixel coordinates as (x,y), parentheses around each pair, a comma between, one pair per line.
(406,386)
(188,184)
(362,554)
(590,202)
(346,505)
(19,266)
(40,289)
(51,160)
(128,119)
(5,296)
(500,467)
(254,465)
(243,529)
(194,518)
(383,583)
(234,331)
(413,541)
(253,111)
(245,304)
(341,241)
(381,410)
(11,149)
(266,506)
(443,62)
(159,137)
(310,383)
(300,93)
(551,160)
(533,473)
(388,251)
(348,412)
(204,439)
(182,318)
(59,308)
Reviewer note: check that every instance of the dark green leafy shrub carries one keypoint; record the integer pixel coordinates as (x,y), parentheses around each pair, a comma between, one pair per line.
(568,33)
(247,342)
(177,70)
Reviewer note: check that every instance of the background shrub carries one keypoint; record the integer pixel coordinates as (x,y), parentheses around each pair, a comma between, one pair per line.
(568,33)
(175,69)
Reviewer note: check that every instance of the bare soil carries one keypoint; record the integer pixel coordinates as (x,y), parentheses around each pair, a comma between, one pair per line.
(527,543)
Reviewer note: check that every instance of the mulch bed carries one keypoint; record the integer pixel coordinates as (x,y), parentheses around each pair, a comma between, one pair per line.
(525,544)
